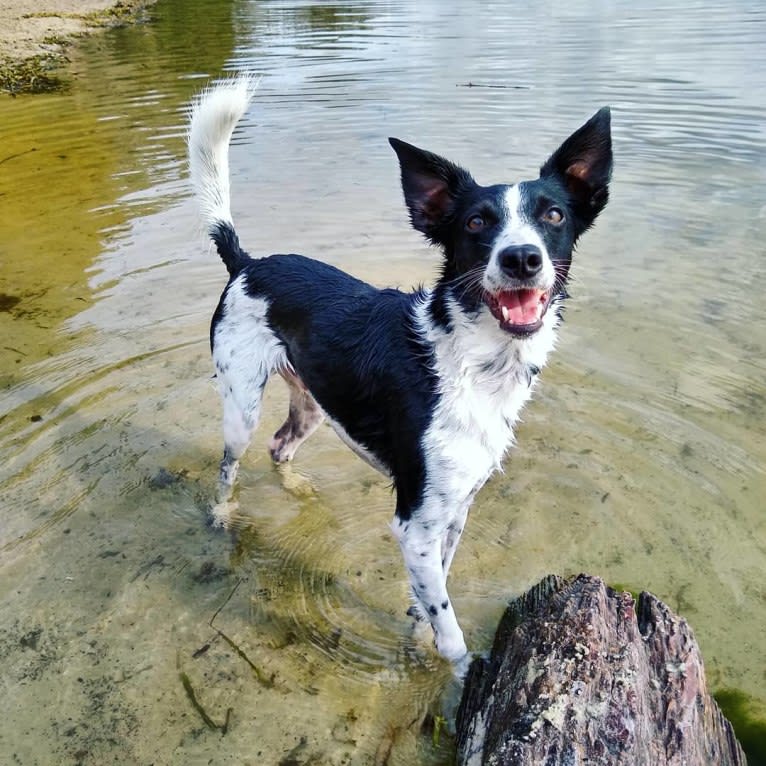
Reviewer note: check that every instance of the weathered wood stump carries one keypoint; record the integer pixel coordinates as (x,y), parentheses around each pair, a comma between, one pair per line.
(580,674)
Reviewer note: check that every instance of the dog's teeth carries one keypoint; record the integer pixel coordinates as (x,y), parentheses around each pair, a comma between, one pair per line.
(504,311)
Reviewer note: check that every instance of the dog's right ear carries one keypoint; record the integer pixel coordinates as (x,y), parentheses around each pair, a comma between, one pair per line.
(431,184)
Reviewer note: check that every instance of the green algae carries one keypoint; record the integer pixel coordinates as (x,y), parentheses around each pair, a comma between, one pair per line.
(36,74)
(748,717)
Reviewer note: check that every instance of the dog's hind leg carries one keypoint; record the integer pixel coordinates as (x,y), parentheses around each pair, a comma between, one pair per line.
(303,418)
(245,352)
(238,426)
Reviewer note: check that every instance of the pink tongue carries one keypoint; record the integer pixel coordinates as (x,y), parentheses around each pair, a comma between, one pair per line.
(523,306)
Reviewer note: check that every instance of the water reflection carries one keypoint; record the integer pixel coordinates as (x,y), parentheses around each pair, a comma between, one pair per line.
(641,459)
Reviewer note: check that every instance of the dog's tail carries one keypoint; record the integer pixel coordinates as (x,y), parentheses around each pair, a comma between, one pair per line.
(213,118)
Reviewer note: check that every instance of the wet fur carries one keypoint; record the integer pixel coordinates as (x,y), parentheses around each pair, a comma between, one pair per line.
(426,386)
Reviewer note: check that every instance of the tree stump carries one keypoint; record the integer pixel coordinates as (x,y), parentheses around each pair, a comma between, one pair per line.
(580,674)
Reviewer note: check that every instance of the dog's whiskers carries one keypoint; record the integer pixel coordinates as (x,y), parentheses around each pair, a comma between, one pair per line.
(471,280)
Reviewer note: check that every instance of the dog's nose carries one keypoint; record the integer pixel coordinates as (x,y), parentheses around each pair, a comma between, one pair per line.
(521,261)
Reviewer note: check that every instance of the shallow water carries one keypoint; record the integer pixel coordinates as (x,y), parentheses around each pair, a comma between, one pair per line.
(640,460)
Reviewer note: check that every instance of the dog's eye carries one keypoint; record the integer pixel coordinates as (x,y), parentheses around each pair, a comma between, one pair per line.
(554,215)
(475,223)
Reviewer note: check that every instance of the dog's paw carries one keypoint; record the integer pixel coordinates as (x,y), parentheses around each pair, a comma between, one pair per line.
(221,513)
(283,445)
(279,453)
(451,646)
(460,668)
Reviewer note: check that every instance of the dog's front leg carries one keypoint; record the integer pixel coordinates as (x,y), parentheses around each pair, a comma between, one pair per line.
(454,530)
(421,539)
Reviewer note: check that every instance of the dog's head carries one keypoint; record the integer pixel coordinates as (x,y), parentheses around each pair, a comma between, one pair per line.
(509,247)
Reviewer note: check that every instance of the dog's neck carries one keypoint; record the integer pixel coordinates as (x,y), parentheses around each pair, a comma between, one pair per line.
(472,349)
(485,376)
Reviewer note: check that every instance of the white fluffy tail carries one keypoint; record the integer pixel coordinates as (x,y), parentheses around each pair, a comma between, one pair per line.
(214,115)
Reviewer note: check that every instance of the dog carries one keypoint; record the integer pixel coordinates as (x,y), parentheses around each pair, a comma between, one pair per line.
(425,386)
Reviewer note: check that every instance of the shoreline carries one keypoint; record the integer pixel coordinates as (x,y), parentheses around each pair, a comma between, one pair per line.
(35,36)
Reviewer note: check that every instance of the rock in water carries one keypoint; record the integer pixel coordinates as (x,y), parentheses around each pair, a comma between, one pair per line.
(580,674)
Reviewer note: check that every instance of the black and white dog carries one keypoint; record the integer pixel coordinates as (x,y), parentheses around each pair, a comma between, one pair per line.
(425,386)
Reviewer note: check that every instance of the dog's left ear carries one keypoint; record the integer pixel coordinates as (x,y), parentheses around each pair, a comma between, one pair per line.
(584,164)
(431,184)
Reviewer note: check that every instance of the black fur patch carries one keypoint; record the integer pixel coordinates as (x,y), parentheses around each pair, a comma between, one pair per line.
(357,350)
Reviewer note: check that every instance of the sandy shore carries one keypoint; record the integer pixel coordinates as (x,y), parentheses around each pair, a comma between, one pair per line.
(42,27)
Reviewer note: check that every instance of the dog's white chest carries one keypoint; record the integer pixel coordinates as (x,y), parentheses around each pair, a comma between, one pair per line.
(471,431)
(484,381)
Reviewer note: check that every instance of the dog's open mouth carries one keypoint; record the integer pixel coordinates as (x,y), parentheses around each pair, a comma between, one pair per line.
(519,312)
